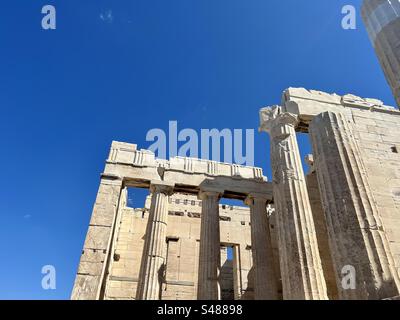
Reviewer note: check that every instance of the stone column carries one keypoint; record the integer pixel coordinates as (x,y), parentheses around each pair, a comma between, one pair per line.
(265,282)
(356,236)
(209,256)
(237,277)
(152,269)
(96,250)
(301,269)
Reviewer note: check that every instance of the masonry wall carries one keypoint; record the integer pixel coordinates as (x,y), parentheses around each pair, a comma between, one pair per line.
(183,237)
(378,139)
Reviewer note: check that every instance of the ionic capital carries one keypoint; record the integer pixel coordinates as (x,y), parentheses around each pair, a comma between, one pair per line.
(166,188)
(273,117)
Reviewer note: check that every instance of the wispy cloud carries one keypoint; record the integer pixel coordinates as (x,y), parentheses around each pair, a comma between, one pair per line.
(107,16)
(27,216)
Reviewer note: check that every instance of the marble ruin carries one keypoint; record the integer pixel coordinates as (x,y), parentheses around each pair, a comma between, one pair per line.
(331,233)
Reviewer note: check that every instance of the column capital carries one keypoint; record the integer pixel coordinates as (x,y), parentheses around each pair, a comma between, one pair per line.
(272,117)
(210,192)
(166,188)
(254,196)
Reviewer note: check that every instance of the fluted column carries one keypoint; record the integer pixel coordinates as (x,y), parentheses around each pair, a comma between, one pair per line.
(356,236)
(265,282)
(152,268)
(301,268)
(210,255)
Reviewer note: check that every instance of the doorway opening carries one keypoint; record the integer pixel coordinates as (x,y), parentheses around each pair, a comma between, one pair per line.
(227,274)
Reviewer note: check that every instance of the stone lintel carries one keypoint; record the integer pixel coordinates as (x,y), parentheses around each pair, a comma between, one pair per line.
(109,176)
(146,160)
(139,168)
(189,182)
(309,103)
(259,195)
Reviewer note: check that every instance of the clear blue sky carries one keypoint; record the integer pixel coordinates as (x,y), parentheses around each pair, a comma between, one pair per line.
(66,94)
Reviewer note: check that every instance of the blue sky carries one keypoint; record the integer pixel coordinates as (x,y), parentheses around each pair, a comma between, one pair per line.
(112,70)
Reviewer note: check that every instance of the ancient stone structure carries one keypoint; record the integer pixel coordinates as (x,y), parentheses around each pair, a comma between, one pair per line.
(382,20)
(332,233)
(355,183)
(176,247)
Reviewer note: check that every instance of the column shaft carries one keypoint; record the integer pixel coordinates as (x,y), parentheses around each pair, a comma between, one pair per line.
(355,232)
(209,255)
(152,270)
(265,281)
(301,268)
